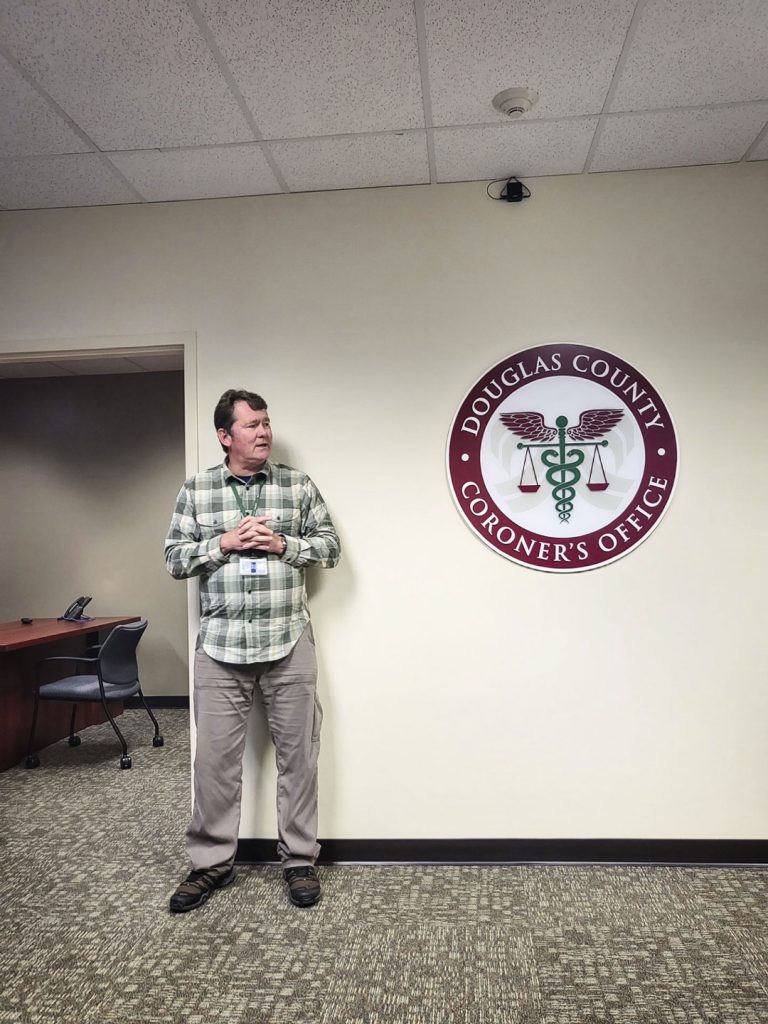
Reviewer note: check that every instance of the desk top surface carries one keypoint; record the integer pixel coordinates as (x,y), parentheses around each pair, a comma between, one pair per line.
(14,635)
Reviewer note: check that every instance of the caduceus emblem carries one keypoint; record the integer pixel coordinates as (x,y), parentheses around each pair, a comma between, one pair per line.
(564,461)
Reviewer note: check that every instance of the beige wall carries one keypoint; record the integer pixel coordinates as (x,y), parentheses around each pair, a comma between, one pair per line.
(466,696)
(90,468)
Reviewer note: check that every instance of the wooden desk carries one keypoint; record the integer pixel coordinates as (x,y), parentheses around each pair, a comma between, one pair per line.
(21,647)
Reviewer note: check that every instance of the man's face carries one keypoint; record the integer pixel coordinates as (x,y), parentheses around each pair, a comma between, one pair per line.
(249,441)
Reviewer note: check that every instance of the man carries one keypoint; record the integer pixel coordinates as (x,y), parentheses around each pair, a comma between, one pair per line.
(247,529)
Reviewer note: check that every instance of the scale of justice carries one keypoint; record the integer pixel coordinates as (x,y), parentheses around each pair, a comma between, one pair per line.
(563,462)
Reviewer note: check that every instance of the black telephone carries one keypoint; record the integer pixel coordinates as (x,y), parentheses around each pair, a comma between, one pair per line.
(75,611)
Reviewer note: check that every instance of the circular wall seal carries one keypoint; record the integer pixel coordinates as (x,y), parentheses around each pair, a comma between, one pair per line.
(562,457)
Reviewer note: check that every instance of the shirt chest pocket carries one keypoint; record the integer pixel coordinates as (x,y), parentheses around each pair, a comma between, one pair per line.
(287,521)
(211,524)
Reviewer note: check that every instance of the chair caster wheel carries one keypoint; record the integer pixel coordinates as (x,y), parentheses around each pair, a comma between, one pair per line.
(32,761)
(125,762)
(158,741)
(74,741)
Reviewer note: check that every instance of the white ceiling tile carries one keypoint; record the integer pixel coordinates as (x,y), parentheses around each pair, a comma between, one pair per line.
(565,50)
(677,138)
(354,161)
(33,368)
(132,75)
(686,53)
(81,366)
(98,366)
(322,69)
(35,182)
(140,79)
(28,126)
(520,148)
(159,362)
(198,173)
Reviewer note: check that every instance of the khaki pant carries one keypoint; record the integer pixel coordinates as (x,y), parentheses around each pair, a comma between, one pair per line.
(224,693)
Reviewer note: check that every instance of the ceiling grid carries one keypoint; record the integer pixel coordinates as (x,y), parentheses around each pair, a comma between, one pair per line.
(614,83)
(426,98)
(158,100)
(232,84)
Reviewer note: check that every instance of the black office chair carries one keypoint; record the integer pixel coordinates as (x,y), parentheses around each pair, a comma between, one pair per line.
(116,678)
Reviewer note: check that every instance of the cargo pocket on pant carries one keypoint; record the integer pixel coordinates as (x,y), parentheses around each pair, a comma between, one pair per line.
(317,720)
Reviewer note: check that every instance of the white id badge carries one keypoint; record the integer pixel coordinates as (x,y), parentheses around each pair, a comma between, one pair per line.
(253,566)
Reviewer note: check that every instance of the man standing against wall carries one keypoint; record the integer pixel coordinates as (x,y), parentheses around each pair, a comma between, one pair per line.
(247,528)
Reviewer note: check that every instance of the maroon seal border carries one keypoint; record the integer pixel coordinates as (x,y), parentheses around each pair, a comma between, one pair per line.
(546,552)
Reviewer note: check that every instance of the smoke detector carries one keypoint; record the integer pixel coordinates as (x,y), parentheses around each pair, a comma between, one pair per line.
(515,102)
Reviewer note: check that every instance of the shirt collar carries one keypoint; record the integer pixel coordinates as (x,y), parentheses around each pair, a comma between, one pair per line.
(265,471)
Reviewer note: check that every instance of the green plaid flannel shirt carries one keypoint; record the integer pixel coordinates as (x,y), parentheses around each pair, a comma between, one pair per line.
(244,619)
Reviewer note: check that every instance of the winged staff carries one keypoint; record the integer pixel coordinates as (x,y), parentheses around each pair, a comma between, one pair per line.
(563,461)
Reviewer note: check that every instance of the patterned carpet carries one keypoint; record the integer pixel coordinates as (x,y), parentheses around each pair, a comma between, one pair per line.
(91,854)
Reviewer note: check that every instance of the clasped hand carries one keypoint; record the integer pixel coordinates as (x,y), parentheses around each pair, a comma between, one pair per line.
(251,534)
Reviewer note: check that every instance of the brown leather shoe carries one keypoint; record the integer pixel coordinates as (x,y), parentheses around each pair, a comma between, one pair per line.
(303,885)
(197,887)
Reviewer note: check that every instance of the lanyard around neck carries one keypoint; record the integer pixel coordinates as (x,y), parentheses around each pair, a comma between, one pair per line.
(239,500)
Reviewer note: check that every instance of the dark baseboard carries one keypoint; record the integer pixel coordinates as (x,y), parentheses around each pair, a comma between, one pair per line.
(522,851)
(158,702)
